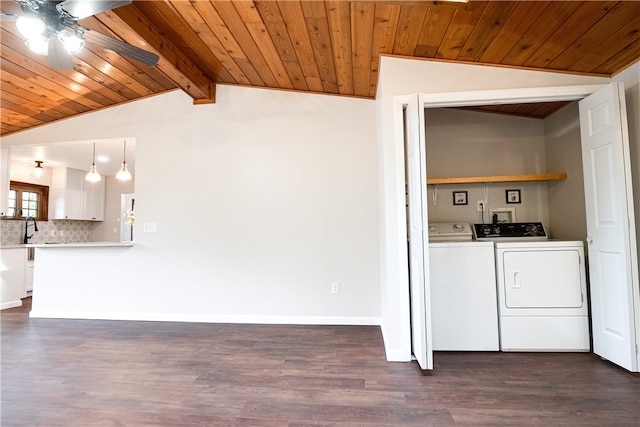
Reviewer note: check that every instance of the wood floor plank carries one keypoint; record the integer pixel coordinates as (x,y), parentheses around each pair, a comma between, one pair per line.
(114,373)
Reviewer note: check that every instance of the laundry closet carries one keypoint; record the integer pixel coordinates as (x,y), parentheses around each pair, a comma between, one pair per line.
(529,175)
(465,143)
(541,300)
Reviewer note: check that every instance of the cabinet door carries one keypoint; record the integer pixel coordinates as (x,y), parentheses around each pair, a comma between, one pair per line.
(73,196)
(94,195)
(12,277)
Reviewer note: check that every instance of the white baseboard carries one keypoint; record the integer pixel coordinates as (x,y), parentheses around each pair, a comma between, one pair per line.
(393,354)
(208,318)
(11,304)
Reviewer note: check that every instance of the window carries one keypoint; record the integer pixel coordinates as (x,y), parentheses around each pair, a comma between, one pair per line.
(27,200)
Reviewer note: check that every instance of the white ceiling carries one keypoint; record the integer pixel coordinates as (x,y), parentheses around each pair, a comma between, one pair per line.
(78,154)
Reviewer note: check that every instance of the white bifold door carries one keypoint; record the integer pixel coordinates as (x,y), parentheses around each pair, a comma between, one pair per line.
(613,258)
(420,290)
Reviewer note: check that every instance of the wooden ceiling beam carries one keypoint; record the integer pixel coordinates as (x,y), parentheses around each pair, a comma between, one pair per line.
(173,62)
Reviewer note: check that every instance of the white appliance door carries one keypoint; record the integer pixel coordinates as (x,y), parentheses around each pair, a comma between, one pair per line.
(418,240)
(610,228)
(542,279)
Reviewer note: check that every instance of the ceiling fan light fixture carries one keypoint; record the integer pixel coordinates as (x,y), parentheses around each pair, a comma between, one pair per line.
(72,42)
(38,45)
(93,175)
(30,28)
(124,174)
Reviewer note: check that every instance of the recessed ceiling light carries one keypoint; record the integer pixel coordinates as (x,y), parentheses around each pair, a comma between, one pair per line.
(102,158)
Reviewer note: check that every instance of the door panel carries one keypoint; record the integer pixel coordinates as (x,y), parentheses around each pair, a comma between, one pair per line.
(612,295)
(602,159)
(418,242)
(542,279)
(610,232)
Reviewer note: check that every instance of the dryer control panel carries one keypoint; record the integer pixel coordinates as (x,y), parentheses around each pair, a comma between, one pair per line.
(510,230)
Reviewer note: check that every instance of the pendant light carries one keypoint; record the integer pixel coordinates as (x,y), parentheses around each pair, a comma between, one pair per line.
(93,175)
(124,174)
(38,170)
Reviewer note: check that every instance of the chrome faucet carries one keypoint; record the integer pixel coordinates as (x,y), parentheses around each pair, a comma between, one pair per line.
(26,229)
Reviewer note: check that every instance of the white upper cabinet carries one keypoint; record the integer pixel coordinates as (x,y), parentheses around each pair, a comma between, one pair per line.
(94,200)
(72,197)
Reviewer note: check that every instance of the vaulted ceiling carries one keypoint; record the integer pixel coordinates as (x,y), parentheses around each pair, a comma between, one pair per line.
(330,47)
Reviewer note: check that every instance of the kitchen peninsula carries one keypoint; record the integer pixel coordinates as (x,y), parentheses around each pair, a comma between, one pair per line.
(62,276)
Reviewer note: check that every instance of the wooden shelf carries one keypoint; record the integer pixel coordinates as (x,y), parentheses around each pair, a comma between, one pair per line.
(498,178)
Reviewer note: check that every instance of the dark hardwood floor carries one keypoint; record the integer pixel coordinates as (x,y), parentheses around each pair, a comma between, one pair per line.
(116,373)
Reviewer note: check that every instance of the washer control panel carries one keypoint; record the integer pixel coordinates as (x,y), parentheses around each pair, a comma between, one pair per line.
(449,231)
(510,230)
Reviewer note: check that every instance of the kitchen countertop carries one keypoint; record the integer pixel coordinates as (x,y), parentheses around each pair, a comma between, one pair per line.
(13,246)
(81,245)
(67,245)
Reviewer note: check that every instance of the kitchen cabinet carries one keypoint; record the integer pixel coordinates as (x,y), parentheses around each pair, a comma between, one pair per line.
(72,197)
(28,271)
(12,276)
(93,201)
(66,193)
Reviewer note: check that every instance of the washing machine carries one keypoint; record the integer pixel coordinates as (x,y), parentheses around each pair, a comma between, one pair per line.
(464,311)
(541,286)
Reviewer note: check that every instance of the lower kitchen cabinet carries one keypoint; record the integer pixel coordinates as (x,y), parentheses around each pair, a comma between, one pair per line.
(28,271)
(12,276)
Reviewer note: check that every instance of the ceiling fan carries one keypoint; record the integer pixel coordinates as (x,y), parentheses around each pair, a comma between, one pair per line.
(51,28)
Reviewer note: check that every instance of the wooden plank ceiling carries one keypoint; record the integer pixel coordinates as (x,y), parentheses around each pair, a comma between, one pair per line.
(330,47)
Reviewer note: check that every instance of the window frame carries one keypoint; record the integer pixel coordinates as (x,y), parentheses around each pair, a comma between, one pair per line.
(43,202)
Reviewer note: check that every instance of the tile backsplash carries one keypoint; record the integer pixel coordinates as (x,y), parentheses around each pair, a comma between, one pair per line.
(52,231)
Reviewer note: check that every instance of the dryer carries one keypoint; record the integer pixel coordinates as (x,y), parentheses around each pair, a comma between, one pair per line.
(542,291)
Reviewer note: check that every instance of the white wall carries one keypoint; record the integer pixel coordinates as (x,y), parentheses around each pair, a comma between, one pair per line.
(564,153)
(23,172)
(261,201)
(109,229)
(470,143)
(401,77)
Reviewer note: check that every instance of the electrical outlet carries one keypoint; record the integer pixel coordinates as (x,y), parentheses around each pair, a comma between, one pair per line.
(482,206)
(335,288)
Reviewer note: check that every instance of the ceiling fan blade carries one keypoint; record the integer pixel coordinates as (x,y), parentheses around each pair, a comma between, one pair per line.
(83,8)
(8,17)
(58,55)
(121,47)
